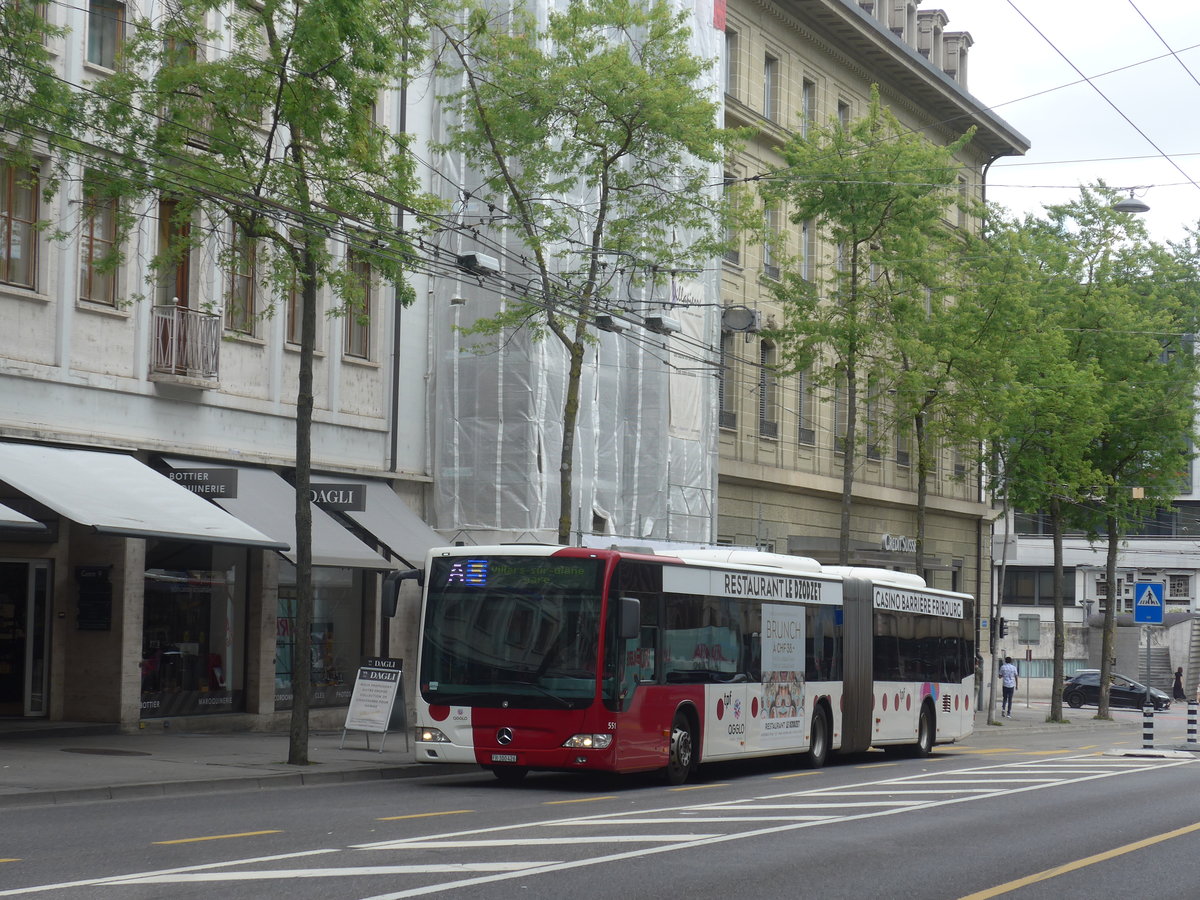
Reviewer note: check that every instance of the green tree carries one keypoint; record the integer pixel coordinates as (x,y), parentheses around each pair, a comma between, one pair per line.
(256,120)
(594,136)
(1128,307)
(879,194)
(1031,407)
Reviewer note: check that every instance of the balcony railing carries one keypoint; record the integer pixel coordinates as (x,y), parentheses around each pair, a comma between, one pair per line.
(186,342)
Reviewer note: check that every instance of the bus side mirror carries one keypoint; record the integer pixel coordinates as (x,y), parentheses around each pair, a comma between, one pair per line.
(631,618)
(389,599)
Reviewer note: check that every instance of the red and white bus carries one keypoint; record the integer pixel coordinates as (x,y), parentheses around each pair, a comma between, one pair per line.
(577,659)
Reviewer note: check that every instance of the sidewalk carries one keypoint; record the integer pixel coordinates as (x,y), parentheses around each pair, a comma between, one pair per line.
(71,763)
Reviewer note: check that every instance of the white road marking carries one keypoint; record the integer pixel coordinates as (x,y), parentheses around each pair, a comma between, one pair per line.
(426,844)
(117,879)
(340,872)
(1008,779)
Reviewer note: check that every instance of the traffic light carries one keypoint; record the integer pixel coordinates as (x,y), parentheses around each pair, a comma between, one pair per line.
(1003,628)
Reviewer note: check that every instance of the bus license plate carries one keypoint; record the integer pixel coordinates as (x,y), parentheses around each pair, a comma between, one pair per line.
(504,757)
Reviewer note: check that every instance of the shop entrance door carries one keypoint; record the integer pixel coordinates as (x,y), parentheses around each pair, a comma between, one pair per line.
(24,637)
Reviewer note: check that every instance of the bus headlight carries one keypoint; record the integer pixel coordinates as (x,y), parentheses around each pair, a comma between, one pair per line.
(588,741)
(432,736)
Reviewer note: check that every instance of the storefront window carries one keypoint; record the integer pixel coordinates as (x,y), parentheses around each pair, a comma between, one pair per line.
(194,629)
(337,631)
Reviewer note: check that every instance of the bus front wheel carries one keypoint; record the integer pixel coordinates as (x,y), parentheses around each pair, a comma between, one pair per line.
(681,758)
(818,741)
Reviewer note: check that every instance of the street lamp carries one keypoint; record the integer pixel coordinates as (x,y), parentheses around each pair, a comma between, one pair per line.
(1131,204)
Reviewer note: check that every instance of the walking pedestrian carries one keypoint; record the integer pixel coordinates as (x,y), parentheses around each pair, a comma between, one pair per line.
(1008,681)
(1177,689)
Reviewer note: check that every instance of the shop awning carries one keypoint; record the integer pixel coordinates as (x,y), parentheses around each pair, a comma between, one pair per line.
(115,494)
(11,520)
(262,499)
(384,515)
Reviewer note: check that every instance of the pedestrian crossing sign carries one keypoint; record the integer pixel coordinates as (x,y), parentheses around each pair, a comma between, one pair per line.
(1148,603)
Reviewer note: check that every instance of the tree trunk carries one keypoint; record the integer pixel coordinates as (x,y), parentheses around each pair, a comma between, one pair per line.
(849,459)
(922,489)
(1110,611)
(1060,640)
(566,465)
(997,614)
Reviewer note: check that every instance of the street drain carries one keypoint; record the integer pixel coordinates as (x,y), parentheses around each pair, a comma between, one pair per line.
(98,751)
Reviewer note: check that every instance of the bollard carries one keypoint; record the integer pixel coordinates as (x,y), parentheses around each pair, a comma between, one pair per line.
(1147,727)
(1191,722)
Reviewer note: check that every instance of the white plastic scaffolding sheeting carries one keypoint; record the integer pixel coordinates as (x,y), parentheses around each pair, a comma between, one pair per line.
(645,450)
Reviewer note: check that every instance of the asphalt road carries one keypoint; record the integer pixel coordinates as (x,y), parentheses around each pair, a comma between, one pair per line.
(1005,815)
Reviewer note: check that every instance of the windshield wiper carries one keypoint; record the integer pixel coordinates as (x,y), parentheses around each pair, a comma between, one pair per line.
(567,704)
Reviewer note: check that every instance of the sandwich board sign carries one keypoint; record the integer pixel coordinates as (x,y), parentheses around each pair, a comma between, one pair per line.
(373,703)
(1148,603)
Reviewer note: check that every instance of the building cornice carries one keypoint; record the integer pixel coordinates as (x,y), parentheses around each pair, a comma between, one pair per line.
(843,31)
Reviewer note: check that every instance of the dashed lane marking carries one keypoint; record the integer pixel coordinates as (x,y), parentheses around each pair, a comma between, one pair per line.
(219,837)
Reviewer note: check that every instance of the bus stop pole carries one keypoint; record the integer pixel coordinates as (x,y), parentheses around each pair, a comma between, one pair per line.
(1028,667)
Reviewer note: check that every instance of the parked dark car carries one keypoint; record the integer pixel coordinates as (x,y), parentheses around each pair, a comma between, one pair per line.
(1083,688)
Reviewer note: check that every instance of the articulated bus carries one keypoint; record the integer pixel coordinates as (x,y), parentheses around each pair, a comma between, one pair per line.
(538,657)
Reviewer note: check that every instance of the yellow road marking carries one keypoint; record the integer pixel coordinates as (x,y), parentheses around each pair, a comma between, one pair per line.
(449,812)
(1079,864)
(13,859)
(993,750)
(219,837)
(876,765)
(1046,752)
(580,800)
(699,787)
(795,775)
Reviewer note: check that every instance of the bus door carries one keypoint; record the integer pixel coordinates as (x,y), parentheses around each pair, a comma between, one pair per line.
(640,742)
(726,719)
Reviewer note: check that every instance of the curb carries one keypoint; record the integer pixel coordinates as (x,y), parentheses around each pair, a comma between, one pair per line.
(220,785)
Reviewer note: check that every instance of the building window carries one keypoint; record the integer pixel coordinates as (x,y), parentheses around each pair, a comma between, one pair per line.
(241,303)
(841,421)
(771,88)
(339,597)
(293,319)
(873,415)
(731,62)
(808,105)
(18,220)
(174,254)
(903,439)
(359,309)
(97,246)
(733,253)
(1179,586)
(808,249)
(768,391)
(106,32)
(727,414)
(1034,586)
(843,114)
(807,430)
(770,241)
(194,629)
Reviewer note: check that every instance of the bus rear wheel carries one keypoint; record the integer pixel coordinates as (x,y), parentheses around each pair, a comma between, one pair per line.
(818,741)
(681,758)
(925,732)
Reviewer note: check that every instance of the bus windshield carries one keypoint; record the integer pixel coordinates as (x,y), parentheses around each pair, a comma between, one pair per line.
(521,631)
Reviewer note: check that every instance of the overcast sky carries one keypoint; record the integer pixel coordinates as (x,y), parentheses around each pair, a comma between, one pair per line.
(1076,135)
